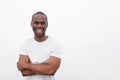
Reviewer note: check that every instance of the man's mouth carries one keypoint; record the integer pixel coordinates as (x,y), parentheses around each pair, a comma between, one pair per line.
(39,31)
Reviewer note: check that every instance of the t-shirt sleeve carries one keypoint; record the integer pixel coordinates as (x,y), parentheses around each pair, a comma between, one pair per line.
(23,49)
(56,51)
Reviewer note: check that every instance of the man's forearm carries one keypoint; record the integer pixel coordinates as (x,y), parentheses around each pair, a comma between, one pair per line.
(48,68)
(44,69)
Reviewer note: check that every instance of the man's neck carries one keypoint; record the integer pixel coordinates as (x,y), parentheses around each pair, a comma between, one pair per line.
(40,39)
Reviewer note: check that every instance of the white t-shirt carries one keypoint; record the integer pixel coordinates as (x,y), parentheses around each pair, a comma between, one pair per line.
(39,52)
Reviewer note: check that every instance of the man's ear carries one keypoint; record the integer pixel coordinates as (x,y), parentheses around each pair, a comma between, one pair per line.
(47,25)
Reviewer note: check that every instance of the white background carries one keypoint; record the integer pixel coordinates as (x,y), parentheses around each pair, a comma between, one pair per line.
(88,30)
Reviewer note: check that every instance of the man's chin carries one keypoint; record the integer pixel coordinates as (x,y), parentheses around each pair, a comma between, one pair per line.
(39,35)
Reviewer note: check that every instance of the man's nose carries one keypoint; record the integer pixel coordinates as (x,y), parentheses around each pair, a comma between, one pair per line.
(39,25)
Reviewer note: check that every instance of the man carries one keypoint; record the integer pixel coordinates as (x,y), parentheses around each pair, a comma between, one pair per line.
(40,56)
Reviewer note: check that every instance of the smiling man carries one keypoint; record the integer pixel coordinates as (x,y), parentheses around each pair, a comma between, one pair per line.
(39,56)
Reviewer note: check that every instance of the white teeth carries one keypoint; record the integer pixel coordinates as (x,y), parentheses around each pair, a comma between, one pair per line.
(39,31)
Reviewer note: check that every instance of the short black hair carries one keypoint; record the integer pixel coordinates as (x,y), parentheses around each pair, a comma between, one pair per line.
(39,12)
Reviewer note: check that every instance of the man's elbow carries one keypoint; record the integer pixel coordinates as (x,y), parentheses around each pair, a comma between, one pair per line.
(52,71)
(23,73)
(26,73)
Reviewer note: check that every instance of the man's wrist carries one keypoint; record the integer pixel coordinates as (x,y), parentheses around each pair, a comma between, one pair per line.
(27,66)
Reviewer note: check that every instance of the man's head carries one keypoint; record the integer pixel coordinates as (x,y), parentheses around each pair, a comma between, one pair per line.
(39,24)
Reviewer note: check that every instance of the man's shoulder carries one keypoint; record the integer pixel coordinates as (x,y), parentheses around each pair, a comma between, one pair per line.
(54,42)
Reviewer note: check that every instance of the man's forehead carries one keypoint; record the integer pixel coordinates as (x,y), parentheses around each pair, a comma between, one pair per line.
(40,16)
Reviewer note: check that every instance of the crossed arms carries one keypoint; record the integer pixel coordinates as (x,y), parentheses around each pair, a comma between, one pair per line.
(28,69)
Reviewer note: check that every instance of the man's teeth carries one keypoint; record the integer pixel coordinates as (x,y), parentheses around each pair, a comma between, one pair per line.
(38,30)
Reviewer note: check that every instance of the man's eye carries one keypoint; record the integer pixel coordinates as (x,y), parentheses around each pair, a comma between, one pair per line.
(42,23)
(36,22)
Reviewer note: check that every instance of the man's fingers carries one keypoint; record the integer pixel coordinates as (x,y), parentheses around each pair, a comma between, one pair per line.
(19,65)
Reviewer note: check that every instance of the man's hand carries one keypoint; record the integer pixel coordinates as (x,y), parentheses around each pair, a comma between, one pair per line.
(48,68)
(21,65)
(23,61)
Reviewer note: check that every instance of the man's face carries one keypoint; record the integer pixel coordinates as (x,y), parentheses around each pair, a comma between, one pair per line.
(39,25)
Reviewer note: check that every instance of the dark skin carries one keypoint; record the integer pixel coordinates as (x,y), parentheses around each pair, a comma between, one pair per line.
(39,24)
